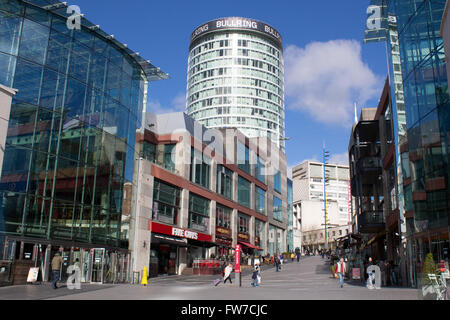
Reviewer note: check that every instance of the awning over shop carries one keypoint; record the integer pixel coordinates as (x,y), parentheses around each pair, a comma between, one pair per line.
(199,243)
(249,245)
(164,239)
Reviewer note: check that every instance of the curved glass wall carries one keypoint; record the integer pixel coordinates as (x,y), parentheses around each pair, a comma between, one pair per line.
(70,143)
(235,79)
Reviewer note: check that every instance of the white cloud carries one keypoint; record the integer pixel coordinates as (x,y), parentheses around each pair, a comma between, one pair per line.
(326,78)
(339,158)
(177,104)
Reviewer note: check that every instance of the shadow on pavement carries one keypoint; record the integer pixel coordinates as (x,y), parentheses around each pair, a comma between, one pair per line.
(324,268)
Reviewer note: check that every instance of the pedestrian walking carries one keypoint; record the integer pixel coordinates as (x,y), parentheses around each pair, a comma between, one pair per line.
(256,275)
(297,253)
(227,272)
(292,256)
(222,269)
(281,258)
(341,269)
(57,261)
(371,275)
(277,263)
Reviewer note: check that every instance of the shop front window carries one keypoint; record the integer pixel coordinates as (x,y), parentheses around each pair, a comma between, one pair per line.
(223,216)
(243,223)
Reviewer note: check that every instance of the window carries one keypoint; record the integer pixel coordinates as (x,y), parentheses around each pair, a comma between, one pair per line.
(224,183)
(259,229)
(260,200)
(149,151)
(166,202)
(223,217)
(200,168)
(169,156)
(198,213)
(277,209)
(260,170)
(244,192)
(243,154)
(34,40)
(277,181)
(243,223)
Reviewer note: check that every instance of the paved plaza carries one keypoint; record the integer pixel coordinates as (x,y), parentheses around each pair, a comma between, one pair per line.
(308,280)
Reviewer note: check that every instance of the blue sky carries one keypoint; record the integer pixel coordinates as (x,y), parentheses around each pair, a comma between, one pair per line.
(327,65)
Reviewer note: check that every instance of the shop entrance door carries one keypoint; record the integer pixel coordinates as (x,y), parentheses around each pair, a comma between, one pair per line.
(85,265)
(98,256)
(163,259)
(65,265)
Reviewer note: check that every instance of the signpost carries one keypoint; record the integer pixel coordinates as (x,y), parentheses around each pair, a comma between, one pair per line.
(237,264)
(33,275)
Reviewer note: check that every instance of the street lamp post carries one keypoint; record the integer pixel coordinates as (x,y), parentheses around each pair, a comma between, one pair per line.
(326,155)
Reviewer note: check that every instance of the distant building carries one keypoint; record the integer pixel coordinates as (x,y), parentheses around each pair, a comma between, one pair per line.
(308,195)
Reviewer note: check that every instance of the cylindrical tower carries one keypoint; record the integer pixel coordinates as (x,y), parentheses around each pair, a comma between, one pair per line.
(235,77)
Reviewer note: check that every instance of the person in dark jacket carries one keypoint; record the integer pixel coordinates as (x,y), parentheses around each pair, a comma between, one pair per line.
(256,275)
(297,253)
(277,262)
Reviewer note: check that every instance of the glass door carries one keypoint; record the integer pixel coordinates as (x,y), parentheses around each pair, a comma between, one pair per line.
(66,263)
(98,256)
(85,265)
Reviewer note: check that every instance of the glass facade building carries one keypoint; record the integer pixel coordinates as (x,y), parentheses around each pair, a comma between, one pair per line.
(236,77)
(70,145)
(425,165)
(419,116)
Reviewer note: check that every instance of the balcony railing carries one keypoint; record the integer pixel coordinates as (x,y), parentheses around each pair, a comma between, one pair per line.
(371,221)
(370,163)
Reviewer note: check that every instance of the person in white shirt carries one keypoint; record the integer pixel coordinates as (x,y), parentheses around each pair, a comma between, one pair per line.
(227,271)
(341,269)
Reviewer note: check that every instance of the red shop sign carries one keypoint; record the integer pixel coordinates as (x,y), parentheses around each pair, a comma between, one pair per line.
(178,232)
(237,258)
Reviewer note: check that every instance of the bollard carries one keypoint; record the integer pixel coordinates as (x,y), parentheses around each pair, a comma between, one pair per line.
(144,277)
